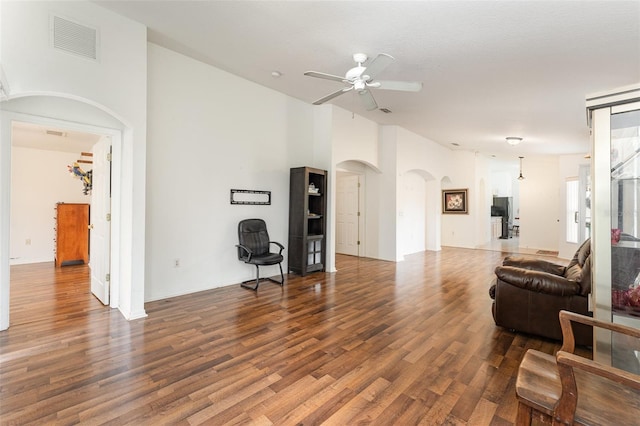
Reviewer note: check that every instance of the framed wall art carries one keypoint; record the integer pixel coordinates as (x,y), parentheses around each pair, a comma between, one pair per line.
(455,201)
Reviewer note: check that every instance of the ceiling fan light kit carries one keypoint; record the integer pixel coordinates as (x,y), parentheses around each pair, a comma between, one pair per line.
(356,79)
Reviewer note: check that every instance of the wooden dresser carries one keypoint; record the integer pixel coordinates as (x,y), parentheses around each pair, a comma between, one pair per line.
(72,234)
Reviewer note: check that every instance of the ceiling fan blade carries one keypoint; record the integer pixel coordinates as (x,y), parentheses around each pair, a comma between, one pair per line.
(405,86)
(332,95)
(381,62)
(324,75)
(367,100)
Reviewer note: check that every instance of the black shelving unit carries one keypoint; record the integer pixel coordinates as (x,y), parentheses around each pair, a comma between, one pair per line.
(307,220)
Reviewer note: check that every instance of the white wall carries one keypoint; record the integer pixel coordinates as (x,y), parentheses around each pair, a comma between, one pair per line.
(430,160)
(385,199)
(459,230)
(115,84)
(502,183)
(353,138)
(355,147)
(412,201)
(39,180)
(481,203)
(208,133)
(418,153)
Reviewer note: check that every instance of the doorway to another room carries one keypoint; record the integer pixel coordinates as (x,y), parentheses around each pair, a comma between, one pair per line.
(53,166)
(348,213)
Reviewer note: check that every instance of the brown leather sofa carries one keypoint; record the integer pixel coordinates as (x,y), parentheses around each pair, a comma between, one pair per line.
(529,294)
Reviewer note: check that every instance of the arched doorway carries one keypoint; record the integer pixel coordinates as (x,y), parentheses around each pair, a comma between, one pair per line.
(68,113)
(418,204)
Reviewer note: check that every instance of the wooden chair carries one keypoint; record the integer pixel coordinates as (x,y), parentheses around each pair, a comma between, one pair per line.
(567,389)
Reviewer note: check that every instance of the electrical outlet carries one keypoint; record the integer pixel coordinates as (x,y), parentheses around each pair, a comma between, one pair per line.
(177,263)
(28,242)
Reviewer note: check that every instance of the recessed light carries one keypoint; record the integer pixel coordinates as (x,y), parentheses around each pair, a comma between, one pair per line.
(276,74)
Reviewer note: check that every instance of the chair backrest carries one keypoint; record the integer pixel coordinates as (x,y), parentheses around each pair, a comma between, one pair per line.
(252,233)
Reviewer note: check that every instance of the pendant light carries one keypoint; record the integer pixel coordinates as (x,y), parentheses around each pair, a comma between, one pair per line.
(520,177)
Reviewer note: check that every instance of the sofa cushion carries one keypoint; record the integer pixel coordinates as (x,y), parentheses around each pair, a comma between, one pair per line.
(574,273)
(536,281)
(534,264)
(579,269)
(585,282)
(584,252)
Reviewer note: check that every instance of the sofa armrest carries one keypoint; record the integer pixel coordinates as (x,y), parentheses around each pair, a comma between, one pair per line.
(534,265)
(539,282)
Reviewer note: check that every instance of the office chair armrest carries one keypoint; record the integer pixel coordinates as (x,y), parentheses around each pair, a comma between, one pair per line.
(249,252)
(279,245)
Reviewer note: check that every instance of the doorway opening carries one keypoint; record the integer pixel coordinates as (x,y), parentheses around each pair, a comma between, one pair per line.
(348,213)
(53,166)
(350,208)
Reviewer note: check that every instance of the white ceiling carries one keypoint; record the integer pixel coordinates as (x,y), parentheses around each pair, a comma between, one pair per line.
(490,69)
(28,135)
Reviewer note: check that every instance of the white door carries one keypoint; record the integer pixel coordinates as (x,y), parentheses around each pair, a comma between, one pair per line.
(347,201)
(100,241)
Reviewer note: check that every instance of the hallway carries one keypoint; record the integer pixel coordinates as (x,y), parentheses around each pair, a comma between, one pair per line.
(511,245)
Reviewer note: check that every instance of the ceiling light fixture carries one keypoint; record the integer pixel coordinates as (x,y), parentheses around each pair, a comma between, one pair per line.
(520,177)
(512,140)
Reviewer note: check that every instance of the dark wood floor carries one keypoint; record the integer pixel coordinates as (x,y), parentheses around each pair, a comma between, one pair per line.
(375,343)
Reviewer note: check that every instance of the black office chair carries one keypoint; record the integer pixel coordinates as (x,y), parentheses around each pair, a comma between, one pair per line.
(254,249)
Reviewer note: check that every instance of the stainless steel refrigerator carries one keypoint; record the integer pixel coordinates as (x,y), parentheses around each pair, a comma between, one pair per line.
(503,206)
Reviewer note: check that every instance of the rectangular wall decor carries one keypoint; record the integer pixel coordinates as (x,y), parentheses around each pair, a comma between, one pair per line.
(454,201)
(251,197)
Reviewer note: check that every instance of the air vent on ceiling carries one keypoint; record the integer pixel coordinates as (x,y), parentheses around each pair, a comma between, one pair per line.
(74,38)
(385,110)
(55,133)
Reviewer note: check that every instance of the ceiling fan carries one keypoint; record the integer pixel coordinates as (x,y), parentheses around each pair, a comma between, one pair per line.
(362,79)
